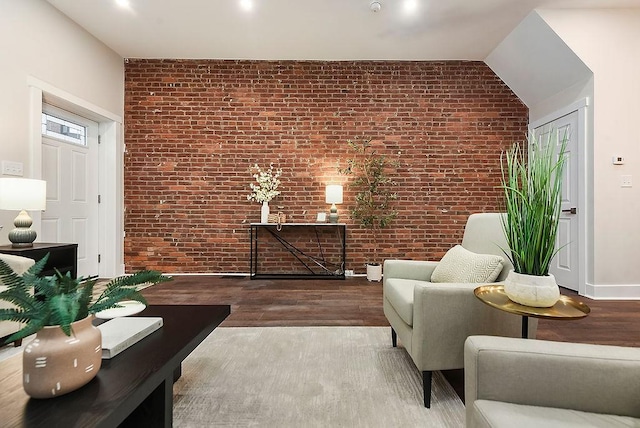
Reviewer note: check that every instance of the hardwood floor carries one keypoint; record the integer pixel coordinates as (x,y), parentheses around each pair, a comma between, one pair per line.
(356,302)
(350,302)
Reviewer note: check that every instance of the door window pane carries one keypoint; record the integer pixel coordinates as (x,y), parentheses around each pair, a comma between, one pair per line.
(63,130)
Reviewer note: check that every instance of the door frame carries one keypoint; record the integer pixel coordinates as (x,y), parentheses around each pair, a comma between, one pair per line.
(87,263)
(111,169)
(584,213)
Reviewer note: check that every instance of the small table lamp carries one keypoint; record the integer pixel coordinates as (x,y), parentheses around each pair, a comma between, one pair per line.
(334,196)
(22,194)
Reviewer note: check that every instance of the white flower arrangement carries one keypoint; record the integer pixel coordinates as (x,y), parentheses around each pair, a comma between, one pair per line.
(268,182)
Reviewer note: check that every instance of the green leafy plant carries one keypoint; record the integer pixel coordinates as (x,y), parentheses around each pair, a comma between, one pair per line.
(532,184)
(373,186)
(60,299)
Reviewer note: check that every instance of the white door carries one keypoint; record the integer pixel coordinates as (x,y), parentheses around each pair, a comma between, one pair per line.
(565,265)
(70,167)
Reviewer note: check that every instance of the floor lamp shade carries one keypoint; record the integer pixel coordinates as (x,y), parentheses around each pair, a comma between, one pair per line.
(333,197)
(22,194)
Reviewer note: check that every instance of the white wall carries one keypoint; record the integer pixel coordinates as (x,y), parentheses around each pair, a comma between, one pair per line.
(597,56)
(38,43)
(608,41)
(536,63)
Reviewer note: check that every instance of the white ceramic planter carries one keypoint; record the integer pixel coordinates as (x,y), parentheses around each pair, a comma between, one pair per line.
(530,290)
(374,272)
(264,212)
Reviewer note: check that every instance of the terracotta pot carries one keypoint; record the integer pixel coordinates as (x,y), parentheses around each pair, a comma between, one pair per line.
(54,364)
(530,290)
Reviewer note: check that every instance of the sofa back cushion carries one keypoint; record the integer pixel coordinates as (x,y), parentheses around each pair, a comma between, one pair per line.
(463,266)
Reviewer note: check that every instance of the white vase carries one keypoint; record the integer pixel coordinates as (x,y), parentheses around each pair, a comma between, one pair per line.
(530,290)
(374,272)
(264,212)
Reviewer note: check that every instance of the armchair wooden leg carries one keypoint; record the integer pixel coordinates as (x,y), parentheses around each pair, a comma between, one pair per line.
(426,387)
(394,338)
(17,343)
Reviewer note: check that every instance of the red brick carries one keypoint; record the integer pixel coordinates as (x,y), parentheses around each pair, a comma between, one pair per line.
(194,127)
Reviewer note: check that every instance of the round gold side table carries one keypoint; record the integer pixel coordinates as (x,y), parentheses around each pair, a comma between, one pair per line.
(566,308)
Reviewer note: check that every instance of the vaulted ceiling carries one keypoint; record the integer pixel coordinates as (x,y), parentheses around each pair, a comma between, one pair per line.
(308,29)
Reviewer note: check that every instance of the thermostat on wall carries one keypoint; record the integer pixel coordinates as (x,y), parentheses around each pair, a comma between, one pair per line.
(618,160)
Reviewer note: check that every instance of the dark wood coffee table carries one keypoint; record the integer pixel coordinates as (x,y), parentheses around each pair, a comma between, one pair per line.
(135,388)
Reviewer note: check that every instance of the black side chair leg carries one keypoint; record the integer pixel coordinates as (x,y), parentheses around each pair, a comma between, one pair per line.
(394,337)
(426,387)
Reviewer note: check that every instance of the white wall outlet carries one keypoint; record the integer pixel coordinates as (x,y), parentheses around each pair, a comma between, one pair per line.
(348,272)
(12,168)
(625,181)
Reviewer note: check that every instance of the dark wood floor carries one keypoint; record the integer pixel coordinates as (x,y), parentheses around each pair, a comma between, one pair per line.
(356,302)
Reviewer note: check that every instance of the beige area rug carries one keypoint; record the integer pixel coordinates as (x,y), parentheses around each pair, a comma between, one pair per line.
(307,377)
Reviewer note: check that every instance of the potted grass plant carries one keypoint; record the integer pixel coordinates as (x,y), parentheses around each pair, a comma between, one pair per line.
(532,184)
(67,350)
(374,196)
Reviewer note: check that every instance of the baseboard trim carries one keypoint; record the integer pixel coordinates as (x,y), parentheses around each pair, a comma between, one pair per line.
(613,291)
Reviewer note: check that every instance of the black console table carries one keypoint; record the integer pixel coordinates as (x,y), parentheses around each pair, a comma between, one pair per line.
(312,258)
(63,257)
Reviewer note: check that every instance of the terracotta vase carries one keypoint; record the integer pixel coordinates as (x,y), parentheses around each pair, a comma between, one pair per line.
(530,290)
(54,364)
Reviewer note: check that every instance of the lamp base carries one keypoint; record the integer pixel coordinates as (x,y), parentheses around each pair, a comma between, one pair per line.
(18,245)
(333,214)
(22,236)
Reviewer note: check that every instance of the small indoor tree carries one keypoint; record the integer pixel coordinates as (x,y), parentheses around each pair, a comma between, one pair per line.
(374,194)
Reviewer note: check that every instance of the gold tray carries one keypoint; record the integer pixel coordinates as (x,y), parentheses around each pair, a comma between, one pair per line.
(566,308)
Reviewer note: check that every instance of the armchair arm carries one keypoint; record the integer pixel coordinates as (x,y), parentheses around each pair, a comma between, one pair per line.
(591,378)
(420,270)
(18,264)
(444,315)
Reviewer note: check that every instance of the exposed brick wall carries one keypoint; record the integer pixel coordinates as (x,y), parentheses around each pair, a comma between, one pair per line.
(194,127)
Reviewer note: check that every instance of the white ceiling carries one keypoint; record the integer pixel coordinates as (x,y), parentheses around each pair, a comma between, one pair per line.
(306,29)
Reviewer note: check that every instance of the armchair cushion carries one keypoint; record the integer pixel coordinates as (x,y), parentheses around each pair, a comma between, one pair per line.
(463,266)
(490,413)
(19,266)
(399,293)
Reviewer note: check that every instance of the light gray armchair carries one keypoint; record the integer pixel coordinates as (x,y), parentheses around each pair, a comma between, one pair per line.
(433,320)
(19,266)
(534,383)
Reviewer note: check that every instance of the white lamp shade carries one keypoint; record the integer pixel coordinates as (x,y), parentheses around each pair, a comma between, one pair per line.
(23,194)
(334,194)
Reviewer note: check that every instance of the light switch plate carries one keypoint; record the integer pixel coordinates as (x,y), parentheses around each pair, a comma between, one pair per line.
(12,168)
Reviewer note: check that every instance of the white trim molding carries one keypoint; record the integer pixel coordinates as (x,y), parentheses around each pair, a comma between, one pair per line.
(111,168)
(612,291)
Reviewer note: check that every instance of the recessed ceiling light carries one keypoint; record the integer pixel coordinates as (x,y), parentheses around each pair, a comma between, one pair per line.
(410,6)
(246,5)
(123,3)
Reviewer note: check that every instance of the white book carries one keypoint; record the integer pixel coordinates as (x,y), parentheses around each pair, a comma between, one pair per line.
(120,333)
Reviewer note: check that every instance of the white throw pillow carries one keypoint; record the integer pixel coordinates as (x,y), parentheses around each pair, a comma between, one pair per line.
(464,266)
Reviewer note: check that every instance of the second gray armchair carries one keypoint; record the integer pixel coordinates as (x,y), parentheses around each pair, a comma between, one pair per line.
(527,383)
